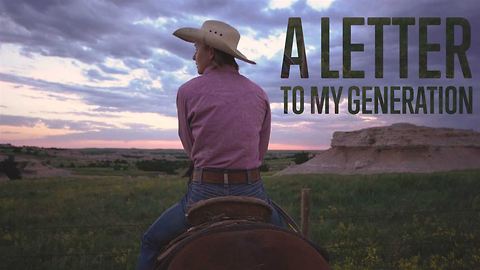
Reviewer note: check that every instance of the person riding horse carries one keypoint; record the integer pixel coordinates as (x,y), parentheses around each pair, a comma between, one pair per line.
(224,122)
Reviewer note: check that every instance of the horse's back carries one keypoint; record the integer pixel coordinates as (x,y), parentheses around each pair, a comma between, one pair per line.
(239,245)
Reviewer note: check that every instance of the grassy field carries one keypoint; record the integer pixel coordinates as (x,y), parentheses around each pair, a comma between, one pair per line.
(391,221)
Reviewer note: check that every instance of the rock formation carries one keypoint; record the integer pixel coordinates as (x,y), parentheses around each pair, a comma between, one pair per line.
(397,148)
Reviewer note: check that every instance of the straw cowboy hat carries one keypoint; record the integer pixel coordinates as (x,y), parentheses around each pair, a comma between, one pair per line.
(216,34)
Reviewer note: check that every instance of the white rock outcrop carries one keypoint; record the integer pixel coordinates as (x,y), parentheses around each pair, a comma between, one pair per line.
(396,148)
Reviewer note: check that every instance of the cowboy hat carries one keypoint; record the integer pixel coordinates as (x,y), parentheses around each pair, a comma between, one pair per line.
(216,34)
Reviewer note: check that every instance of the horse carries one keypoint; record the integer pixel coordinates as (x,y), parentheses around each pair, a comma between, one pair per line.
(234,233)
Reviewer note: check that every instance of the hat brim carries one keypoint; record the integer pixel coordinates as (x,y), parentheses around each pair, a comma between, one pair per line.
(192,35)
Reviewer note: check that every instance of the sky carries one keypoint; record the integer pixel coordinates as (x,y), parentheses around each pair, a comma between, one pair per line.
(93,73)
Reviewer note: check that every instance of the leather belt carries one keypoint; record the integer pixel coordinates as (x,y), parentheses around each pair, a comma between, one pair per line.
(220,176)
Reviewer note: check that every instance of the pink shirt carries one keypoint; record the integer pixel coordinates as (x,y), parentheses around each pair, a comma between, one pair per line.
(223,120)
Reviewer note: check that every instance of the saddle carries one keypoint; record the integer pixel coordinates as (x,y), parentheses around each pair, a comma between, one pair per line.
(229,207)
(233,233)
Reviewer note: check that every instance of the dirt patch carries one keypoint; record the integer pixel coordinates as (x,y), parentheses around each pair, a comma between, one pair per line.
(35,169)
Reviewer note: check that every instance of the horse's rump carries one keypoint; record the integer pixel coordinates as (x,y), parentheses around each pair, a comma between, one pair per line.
(239,245)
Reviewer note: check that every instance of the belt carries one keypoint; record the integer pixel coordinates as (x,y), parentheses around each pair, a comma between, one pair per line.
(219,176)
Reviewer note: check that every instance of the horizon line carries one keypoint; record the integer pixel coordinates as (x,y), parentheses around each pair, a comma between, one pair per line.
(146,148)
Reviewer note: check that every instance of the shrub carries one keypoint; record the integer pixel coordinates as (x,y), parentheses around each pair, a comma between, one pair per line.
(9,168)
(265,167)
(162,165)
(301,157)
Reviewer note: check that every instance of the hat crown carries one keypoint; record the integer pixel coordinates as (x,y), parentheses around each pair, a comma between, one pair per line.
(222,31)
(216,34)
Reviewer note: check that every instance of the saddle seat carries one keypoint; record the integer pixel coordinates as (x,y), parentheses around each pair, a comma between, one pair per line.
(228,208)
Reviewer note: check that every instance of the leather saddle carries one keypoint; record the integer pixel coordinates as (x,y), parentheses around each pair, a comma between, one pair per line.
(234,233)
(227,208)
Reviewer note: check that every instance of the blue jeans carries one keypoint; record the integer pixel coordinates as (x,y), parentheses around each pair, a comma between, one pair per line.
(172,222)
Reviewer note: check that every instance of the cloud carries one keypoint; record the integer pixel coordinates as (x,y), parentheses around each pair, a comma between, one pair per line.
(112,70)
(108,99)
(132,63)
(279,4)
(120,134)
(165,62)
(320,4)
(91,130)
(95,75)
(22,121)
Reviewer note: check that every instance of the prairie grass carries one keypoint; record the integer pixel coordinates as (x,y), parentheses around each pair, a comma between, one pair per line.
(385,221)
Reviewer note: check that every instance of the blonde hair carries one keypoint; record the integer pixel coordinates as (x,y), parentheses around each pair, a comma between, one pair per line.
(222,59)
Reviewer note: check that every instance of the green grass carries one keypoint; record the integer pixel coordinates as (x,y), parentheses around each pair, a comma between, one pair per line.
(391,221)
(400,221)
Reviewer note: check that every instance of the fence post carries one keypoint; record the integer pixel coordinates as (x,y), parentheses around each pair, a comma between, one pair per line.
(305,211)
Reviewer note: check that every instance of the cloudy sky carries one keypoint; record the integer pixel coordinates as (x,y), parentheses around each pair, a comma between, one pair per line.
(105,73)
